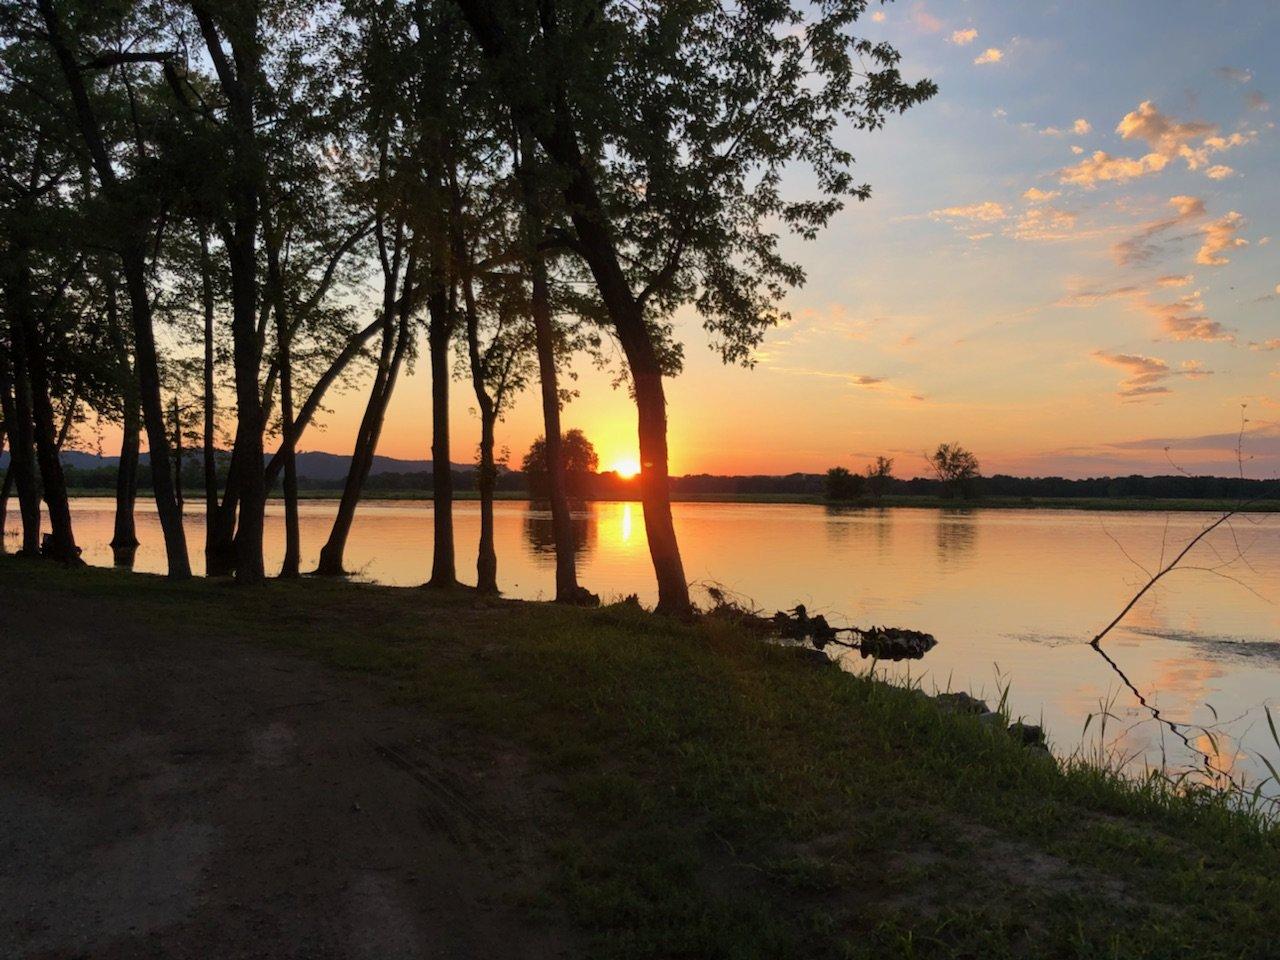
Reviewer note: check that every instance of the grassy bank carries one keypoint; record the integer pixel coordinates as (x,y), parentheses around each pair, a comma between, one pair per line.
(1144,504)
(723,798)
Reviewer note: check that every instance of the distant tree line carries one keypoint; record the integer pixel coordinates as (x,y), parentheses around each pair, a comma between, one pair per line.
(610,486)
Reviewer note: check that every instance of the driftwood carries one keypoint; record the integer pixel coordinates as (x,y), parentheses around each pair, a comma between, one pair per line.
(883,643)
(796,625)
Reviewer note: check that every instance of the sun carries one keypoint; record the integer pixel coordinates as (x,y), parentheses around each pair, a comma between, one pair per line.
(626,468)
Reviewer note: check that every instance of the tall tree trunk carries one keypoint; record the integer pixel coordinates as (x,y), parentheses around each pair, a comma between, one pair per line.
(6,490)
(124,537)
(210,412)
(124,540)
(486,554)
(177,455)
(238,77)
(567,587)
(220,542)
(7,484)
(148,375)
(133,258)
(444,571)
(375,411)
(289,569)
(250,569)
(15,394)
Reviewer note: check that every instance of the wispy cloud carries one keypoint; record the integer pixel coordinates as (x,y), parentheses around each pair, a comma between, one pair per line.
(1219,237)
(962,38)
(988,211)
(989,55)
(1147,377)
(1182,319)
(1140,248)
(1234,74)
(922,19)
(1079,128)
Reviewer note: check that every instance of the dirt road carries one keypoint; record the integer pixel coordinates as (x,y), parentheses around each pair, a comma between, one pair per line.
(190,796)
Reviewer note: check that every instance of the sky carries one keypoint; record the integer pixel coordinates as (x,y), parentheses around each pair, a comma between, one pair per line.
(1066,265)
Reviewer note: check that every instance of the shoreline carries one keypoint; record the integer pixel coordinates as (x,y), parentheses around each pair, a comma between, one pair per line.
(670,789)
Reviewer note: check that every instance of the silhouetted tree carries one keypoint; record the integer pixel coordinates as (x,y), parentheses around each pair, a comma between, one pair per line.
(844,485)
(580,462)
(955,467)
(879,476)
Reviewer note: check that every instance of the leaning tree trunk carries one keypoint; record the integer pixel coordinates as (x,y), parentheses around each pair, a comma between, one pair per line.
(375,412)
(61,543)
(627,314)
(444,571)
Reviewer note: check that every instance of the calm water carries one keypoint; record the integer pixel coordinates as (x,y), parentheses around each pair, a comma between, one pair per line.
(1012,596)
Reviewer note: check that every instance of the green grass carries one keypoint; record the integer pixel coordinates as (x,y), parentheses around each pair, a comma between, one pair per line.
(1143,504)
(726,799)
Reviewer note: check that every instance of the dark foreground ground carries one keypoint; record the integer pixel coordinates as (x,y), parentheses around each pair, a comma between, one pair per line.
(332,770)
(169,794)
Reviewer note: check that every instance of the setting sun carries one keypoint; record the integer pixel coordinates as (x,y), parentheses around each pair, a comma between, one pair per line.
(626,468)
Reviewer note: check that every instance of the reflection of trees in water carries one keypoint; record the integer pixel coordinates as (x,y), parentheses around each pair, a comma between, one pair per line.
(845,523)
(540,534)
(957,533)
(838,528)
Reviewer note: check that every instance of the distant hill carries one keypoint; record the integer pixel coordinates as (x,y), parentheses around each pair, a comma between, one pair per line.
(312,465)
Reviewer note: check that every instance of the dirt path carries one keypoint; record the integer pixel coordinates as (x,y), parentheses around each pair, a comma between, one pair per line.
(189,797)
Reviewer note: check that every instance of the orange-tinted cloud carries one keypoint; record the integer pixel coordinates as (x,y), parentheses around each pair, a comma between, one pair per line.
(964,37)
(986,212)
(1101,167)
(1194,141)
(1145,376)
(1185,319)
(1219,237)
(989,55)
